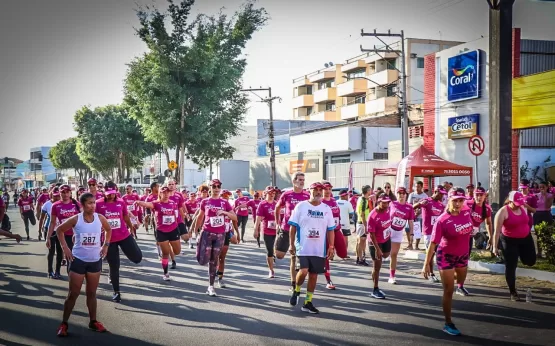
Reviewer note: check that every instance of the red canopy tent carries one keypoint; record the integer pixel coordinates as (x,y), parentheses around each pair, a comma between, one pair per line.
(424,163)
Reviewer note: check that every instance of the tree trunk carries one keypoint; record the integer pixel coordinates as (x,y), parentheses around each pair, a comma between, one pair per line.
(178,169)
(181,161)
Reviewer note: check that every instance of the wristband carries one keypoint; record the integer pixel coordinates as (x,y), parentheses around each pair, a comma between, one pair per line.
(106,244)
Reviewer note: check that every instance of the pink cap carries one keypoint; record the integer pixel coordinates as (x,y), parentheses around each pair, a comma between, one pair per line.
(523,187)
(384,198)
(456,194)
(110,192)
(517,198)
(317,185)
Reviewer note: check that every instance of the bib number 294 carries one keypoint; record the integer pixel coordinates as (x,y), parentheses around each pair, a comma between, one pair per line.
(313,233)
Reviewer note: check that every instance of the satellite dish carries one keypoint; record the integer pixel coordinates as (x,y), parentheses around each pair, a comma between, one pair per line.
(326,65)
(331,63)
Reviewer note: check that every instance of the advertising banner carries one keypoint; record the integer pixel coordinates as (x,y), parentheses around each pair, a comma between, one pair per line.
(464,126)
(533,97)
(463,76)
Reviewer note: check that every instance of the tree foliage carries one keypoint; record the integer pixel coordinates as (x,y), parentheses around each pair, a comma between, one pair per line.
(64,156)
(110,141)
(185,90)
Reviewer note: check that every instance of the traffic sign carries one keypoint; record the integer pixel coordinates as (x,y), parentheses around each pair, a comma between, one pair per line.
(172,166)
(476,145)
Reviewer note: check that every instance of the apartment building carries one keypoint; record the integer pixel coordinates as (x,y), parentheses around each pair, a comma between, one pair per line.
(365,85)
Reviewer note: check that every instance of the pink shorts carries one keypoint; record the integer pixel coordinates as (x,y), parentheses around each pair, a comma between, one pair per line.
(447,261)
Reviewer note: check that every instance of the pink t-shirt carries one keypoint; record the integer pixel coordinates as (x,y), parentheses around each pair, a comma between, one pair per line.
(516,226)
(130,203)
(166,216)
(266,210)
(192,206)
(476,212)
(178,199)
(431,210)
(354,201)
(241,206)
(98,195)
(532,201)
(452,233)
(287,201)
(26,204)
(213,222)
(335,211)
(64,211)
(400,214)
(542,201)
(43,198)
(115,213)
(253,205)
(379,223)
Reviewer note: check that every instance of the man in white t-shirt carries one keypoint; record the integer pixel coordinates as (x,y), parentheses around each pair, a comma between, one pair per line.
(346,213)
(414,198)
(311,239)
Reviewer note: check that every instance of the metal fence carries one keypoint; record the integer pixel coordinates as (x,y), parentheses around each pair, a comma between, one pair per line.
(338,173)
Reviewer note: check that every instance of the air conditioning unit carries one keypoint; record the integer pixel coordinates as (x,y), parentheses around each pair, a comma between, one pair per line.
(413,55)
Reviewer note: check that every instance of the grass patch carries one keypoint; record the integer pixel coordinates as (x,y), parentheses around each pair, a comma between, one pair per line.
(486,256)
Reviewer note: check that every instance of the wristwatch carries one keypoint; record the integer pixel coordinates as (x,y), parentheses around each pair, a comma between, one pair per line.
(107,244)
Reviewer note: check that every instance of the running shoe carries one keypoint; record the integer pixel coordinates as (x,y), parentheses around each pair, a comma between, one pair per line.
(308,307)
(348,257)
(64,262)
(434,279)
(221,283)
(211,291)
(174,265)
(28,238)
(97,327)
(462,291)
(515,297)
(294,298)
(330,286)
(450,329)
(378,294)
(166,277)
(116,297)
(62,330)
(57,276)
(271,275)
(392,280)
(363,263)
(51,275)
(191,246)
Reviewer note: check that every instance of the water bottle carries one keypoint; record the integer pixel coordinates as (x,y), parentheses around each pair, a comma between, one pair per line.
(529,296)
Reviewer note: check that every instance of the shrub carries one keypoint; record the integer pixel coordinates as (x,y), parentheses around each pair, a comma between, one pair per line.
(546,239)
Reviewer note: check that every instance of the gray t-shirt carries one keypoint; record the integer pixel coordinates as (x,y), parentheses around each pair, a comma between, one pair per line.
(415,198)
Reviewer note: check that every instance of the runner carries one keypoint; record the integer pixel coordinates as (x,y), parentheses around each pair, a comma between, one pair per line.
(287,202)
(147,212)
(231,231)
(388,192)
(364,206)
(543,211)
(312,240)
(26,209)
(266,220)
(378,227)
(116,212)
(44,224)
(94,188)
(192,205)
(15,198)
(182,214)
(450,235)
(80,190)
(85,258)
(401,214)
(470,191)
(253,206)
(415,197)
(212,214)
(242,210)
(166,233)
(5,224)
(432,208)
(43,197)
(132,209)
(347,211)
(513,231)
(340,247)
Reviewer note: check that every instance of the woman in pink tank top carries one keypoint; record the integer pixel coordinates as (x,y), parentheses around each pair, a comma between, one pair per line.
(513,231)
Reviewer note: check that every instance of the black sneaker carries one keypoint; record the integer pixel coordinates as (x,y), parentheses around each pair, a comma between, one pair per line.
(116,297)
(294,298)
(174,265)
(28,238)
(51,275)
(308,307)
(363,263)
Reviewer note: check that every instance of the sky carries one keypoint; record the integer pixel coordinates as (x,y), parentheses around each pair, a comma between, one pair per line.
(59,55)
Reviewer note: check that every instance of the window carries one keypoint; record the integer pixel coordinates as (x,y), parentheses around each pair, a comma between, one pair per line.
(341,159)
(391,64)
(380,156)
(360,99)
(309,90)
(419,62)
(308,110)
(327,84)
(330,106)
(356,74)
(390,91)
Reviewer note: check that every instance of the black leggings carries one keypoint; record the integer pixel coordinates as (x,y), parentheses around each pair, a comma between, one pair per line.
(29,216)
(130,249)
(242,222)
(55,246)
(69,242)
(513,248)
(269,241)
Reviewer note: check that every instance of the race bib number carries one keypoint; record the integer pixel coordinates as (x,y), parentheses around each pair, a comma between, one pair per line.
(90,240)
(271,224)
(475,230)
(114,223)
(398,222)
(336,219)
(217,221)
(131,208)
(313,234)
(26,207)
(417,230)
(387,233)
(434,219)
(168,219)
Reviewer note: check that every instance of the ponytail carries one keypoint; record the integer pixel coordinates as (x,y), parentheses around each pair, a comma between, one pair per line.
(74,201)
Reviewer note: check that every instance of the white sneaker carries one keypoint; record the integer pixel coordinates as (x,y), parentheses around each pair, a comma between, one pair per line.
(166,277)
(271,275)
(221,283)
(392,281)
(211,291)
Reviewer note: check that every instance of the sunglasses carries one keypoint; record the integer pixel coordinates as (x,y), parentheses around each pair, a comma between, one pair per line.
(217,186)
(401,193)
(92,184)
(388,187)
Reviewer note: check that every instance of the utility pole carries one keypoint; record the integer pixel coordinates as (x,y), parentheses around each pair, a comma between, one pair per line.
(269,100)
(403,102)
(500,99)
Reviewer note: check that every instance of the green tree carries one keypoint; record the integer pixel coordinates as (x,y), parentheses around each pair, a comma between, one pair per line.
(111,142)
(64,156)
(185,90)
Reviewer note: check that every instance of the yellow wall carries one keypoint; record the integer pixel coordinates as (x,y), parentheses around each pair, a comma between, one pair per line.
(534,100)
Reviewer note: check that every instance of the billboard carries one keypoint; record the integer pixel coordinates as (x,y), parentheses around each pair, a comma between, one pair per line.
(464,126)
(463,76)
(533,104)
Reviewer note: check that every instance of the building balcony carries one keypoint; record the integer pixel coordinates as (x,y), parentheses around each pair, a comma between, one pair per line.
(353,87)
(376,57)
(303,101)
(301,81)
(352,111)
(355,65)
(383,105)
(322,76)
(325,95)
(383,77)
(324,116)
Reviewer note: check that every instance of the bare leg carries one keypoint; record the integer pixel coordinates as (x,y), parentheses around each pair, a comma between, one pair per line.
(75,283)
(447,278)
(91,287)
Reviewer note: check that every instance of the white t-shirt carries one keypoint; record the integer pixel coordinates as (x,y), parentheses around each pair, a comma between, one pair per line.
(47,207)
(346,209)
(415,198)
(312,223)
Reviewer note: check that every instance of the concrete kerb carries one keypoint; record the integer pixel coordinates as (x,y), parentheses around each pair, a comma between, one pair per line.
(492,267)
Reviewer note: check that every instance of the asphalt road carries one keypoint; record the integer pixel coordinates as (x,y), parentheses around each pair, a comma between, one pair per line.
(254,310)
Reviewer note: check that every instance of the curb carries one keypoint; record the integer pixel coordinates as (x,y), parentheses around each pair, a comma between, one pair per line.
(492,267)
